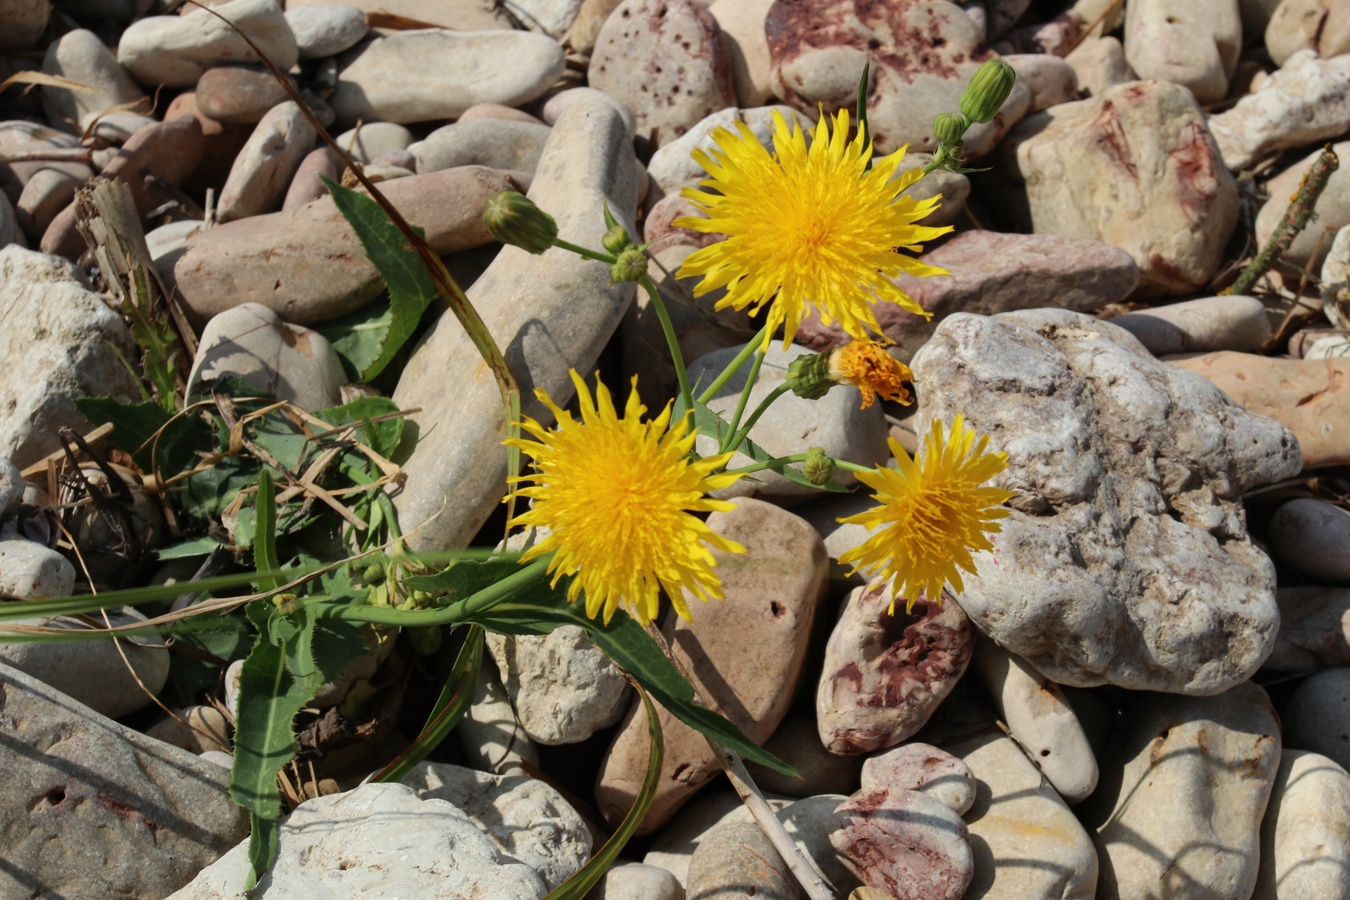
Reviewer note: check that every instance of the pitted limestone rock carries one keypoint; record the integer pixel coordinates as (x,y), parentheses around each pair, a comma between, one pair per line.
(1126,559)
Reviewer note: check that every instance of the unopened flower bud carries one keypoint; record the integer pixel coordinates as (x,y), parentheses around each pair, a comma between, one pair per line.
(949,128)
(616,240)
(631,266)
(809,376)
(987,91)
(818,467)
(512,218)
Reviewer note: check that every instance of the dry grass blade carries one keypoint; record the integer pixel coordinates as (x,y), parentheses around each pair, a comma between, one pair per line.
(33,79)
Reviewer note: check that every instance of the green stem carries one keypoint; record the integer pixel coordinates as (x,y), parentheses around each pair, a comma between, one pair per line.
(744,398)
(763,407)
(781,461)
(755,343)
(586,251)
(672,342)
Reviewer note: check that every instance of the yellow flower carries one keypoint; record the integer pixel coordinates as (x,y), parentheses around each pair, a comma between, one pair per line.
(869,368)
(807,226)
(932,515)
(617,495)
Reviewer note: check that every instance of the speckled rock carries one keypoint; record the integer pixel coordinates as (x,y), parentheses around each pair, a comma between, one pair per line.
(1209,323)
(905,844)
(884,675)
(1309,249)
(496,143)
(1135,167)
(923,768)
(265,166)
(1094,426)
(1305,101)
(32,571)
(665,61)
(1314,629)
(738,860)
(991,273)
(81,56)
(1322,26)
(1305,837)
(325,29)
(922,52)
(1195,45)
(421,76)
(1187,772)
(174,51)
(1313,536)
(747,652)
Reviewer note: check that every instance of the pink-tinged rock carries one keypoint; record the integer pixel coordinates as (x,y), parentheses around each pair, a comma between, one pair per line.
(1314,629)
(746,651)
(1307,396)
(1135,167)
(905,844)
(39,190)
(306,264)
(235,95)
(163,152)
(658,224)
(991,273)
(306,186)
(884,675)
(265,166)
(923,768)
(222,144)
(922,53)
(665,61)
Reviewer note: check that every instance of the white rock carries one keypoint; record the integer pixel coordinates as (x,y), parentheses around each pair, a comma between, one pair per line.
(1195,44)
(1052,80)
(81,56)
(168,238)
(525,817)
(1336,280)
(1305,837)
(63,342)
(1199,326)
(174,51)
(373,139)
(559,103)
(1315,715)
(11,488)
(93,672)
(1313,536)
(264,167)
(1040,720)
(379,840)
(289,362)
(741,23)
(1322,26)
(1309,249)
(30,571)
(325,29)
(1100,64)
(563,687)
(550,17)
(673,167)
(420,76)
(496,143)
(637,881)
(489,734)
(1307,100)
(923,768)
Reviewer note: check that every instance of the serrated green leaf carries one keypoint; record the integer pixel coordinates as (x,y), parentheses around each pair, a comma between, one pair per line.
(383,437)
(265,532)
(411,288)
(263,846)
(462,578)
(357,337)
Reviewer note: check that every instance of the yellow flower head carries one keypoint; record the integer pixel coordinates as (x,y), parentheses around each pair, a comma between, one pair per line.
(807,226)
(932,514)
(617,495)
(867,366)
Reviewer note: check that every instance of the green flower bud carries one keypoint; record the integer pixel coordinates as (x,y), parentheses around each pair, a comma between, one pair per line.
(809,376)
(818,467)
(987,91)
(425,639)
(950,127)
(512,218)
(632,266)
(286,604)
(373,574)
(616,240)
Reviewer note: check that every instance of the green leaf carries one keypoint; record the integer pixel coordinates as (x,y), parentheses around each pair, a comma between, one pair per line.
(265,532)
(411,288)
(462,578)
(207,493)
(709,423)
(134,428)
(383,437)
(188,549)
(357,337)
(263,846)
(226,638)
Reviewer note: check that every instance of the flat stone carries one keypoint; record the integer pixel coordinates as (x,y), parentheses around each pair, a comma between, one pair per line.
(95,809)
(65,343)
(376,840)
(1322,26)
(636,881)
(1195,45)
(991,273)
(905,844)
(1135,167)
(550,313)
(1314,716)
(1100,65)
(1314,629)
(1312,536)
(1025,840)
(1040,720)
(421,76)
(1304,395)
(81,56)
(923,768)
(306,263)
(923,52)
(1209,323)
(265,166)
(325,29)
(174,51)
(1309,249)
(1305,836)
(884,675)
(741,26)
(462,15)
(1094,426)
(821,772)
(746,652)
(563,687)
(1188,772)
(238,95)
(664,60)
(495,143)
(737,860)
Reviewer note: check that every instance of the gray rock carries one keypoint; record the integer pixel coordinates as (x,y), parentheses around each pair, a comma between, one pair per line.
(421,76)
(264,168)
(22,22)
(1315,716)
(905,844)
(737,860)
(1314,629)
(289,362)
(675,844)
(1188,772)
(496,143)
(81,56)
(563,687)
(1305,837)
(30,571)
(526,818)
(325,29)
(490,735)
(636,881)
(64,342)
(374,139)
(11,488)
(375,841)
(1025,840)
(923,768)
(1199,326)
(95,672)
(174,51)
(94,809)
(1195,45)
(550,313)
(1129,475)
(559,103)
(1313,536)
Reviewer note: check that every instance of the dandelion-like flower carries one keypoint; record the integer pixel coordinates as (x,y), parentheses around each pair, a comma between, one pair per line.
(617,496)
(933,514)
(807,226)
(867,366)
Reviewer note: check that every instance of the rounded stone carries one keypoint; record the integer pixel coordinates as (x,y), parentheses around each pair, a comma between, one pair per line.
(496,143)
(31,571)
(325,29)
(923,768)
(737,860)
(237,95)
(1317,715)
(905,844)
(265,166)
(1313,536)
(22,22)
(1199,326)
(81,56)
(174,51)
(1195,45)
(1305,835)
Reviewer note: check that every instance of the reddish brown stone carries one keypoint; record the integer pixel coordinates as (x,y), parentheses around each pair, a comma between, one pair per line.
(905,844)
